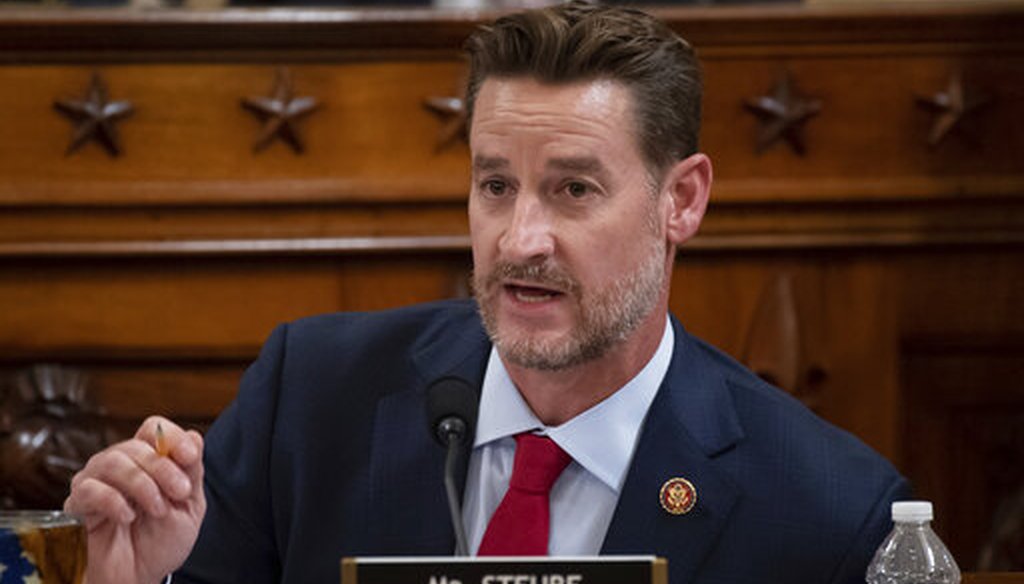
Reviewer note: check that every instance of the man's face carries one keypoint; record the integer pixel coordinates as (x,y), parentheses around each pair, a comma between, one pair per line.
(568,242)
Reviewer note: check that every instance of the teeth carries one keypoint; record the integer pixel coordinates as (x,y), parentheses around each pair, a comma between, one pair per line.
(522,296)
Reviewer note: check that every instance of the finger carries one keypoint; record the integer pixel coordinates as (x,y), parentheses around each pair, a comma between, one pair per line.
(195,465)
(142,477)
(168,439)
(173,479)
(187,450)
(195,470)
(94,502)
(155,425)
(187,457)
(195,503)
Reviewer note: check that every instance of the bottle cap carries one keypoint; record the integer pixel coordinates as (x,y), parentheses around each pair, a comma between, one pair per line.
(912,511)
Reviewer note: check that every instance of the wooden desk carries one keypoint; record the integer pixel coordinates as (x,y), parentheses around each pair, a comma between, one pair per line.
(993,578)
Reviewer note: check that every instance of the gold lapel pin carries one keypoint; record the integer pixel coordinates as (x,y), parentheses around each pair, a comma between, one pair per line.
(678,496)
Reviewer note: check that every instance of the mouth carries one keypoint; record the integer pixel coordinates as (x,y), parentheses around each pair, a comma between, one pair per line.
(531,294)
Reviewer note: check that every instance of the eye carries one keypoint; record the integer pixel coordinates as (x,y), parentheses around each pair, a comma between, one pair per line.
(495,187)
(577,189)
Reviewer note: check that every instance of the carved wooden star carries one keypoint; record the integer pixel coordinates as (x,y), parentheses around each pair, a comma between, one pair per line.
(280,112)
(94,117)
(783,115)
(952,106)
(452,113)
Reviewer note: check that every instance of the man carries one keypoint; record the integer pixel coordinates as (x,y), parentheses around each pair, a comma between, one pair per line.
(586,177)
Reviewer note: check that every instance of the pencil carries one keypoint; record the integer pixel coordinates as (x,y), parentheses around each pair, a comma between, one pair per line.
(161,442)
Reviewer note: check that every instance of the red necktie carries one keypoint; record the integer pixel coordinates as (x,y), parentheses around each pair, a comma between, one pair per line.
(521,523)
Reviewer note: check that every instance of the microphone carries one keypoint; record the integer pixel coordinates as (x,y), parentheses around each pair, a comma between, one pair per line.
(451,415)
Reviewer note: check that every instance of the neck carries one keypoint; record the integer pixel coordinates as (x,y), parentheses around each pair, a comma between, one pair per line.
(558,396)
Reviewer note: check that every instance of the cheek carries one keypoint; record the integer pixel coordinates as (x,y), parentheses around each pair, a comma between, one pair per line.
(595,261)
(621,251)
(481,241)
(485,230)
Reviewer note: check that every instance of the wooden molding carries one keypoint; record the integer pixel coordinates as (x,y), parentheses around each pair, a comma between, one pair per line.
(994,578)
(280,112)
(452,113)
(328,246)
(772,348)
(309,246)
(952,107)
(783,113)
(779,346)
(103,34)
(95,116)
(51,427)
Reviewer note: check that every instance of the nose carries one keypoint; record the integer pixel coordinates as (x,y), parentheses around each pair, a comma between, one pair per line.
(528,236)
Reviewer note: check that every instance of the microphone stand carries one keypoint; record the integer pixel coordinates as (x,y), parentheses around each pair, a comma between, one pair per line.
(452,431)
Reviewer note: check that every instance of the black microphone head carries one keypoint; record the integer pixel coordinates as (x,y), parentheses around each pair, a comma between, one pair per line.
(449,399)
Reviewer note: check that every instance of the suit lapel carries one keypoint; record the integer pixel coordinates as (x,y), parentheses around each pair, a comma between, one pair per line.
(691,421)
(408,506)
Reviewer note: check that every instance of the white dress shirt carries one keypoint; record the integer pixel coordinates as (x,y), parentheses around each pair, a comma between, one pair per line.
(600,441)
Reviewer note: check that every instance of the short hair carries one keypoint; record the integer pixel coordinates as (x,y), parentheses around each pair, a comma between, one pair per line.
(579,41)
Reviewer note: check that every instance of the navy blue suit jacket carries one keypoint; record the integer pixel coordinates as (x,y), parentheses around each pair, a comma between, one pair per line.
(325,453)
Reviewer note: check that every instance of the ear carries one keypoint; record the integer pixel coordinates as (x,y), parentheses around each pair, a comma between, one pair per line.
(688,185)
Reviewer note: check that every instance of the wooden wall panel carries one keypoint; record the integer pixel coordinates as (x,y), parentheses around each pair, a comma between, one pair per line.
(869,101)
(846,346)
(189,138)
(129,390)
(956,294)
(39,231)
(876,278)
(964,423)
(863,395)
(192,306)
(171,306)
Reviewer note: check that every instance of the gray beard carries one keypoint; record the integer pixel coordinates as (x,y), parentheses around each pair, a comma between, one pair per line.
(606,317)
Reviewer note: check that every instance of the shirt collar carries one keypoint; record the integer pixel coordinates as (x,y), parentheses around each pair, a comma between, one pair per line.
(601,439)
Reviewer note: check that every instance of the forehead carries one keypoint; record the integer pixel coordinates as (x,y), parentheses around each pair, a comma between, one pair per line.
(600,109)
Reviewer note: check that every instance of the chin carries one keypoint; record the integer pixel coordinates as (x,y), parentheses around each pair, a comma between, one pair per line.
(526,336)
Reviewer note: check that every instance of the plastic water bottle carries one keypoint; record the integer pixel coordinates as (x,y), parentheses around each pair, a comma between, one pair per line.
(912,553)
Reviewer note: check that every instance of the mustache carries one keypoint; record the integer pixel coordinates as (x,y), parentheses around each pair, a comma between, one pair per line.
(544,275)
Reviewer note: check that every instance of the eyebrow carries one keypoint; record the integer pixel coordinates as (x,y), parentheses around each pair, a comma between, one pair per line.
(489,163)
(581,164)
(572,164)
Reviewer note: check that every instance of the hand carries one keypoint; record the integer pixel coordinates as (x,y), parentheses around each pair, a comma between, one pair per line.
(141,510)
